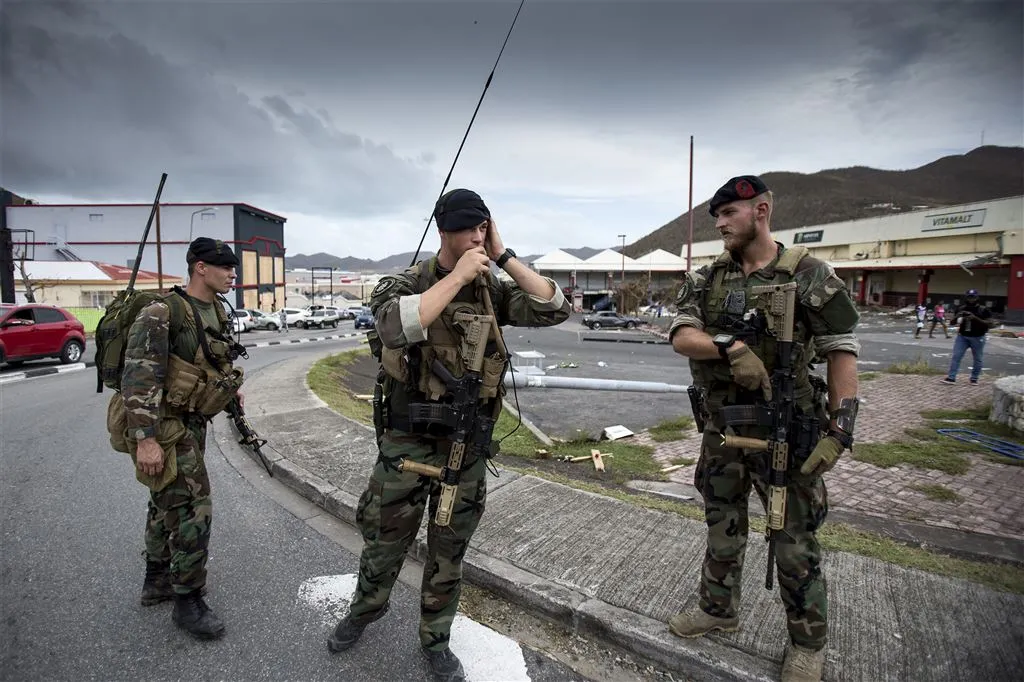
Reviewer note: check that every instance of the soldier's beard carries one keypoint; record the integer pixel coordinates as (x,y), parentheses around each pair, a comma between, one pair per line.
(740,240)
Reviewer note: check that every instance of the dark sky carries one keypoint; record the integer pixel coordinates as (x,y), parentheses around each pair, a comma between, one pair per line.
(345,116)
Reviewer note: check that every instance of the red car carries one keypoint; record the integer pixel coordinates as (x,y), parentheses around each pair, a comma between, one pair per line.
(34,331)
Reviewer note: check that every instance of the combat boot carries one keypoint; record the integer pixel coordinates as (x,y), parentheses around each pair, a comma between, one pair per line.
(802,665)
(695,622)
(193,615)
(444,665)
(348,630)
(157,586)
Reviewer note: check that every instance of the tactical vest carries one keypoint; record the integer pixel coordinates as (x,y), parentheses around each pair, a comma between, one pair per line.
(409,375)
(729,308)
(202,384)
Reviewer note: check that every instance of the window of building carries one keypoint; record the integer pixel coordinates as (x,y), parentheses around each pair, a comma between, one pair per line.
(96,299)
(95,217)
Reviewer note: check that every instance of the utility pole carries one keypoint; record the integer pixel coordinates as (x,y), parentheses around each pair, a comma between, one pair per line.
(622,276)
(689,243)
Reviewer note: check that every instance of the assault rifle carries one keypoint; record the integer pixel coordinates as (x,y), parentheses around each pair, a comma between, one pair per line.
(249,435)
(465,391)
(780,312)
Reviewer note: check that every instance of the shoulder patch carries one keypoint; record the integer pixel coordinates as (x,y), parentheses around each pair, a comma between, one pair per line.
(383,286)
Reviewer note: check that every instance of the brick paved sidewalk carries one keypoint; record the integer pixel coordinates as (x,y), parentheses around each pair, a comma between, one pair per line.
(992,494)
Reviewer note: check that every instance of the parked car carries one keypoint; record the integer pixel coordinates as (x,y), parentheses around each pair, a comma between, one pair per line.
(610,318)
(364,319)
(35,331)
(247,320)
(320,318)
(262,320)
(294,316)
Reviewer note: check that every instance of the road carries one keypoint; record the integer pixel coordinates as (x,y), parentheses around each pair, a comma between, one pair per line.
(71,522)
(570,413)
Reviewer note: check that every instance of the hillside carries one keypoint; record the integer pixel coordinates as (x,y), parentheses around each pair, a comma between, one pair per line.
(850,193)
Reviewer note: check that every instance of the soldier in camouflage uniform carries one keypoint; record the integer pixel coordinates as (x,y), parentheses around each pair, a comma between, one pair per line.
(178,521)
(414,321)
(732,367)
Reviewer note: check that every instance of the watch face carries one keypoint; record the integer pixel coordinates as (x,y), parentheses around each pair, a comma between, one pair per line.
(721,338)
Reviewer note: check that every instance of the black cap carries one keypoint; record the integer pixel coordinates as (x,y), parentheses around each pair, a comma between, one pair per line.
(972,292)
(211,252)
(740,187)
(460,209)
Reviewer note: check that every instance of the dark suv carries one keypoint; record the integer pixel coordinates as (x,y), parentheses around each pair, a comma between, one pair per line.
(34,331)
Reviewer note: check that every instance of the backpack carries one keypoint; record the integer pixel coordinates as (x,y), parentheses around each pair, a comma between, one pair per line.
(112,330)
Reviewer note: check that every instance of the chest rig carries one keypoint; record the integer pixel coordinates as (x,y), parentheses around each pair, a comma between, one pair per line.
(414,398)
(730,308)
(200,377)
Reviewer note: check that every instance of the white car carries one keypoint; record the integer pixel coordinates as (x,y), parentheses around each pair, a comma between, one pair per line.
(246,319)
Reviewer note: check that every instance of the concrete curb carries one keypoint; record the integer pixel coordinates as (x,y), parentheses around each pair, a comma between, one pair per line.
(44,371)
(307,339)
(15,377)
(704,658)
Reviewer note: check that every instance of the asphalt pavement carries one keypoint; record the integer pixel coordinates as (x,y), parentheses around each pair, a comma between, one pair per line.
(640,356)
(280,569)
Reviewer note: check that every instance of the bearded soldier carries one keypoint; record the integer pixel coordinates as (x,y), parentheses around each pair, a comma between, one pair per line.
(731,360)
(177,376)
(417,319)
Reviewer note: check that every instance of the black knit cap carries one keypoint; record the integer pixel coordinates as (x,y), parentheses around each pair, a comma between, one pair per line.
(211,252)
(460,209)
(740,187)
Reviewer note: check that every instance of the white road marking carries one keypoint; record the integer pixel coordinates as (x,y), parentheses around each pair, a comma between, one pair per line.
(486,655)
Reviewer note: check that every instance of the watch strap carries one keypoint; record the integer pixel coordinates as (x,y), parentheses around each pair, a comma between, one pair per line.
(503,258)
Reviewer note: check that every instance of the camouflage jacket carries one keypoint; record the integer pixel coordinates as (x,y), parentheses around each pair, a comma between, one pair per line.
(145,359)
(395,303)
(826,314)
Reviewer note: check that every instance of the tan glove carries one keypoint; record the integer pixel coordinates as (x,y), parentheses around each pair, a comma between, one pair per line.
(749,371)
(824,457)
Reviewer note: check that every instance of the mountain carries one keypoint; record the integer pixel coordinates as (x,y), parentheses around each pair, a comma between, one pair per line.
(859,192)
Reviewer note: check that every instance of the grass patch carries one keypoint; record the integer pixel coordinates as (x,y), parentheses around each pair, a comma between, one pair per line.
(926,448)
(834,537)
(682,461)
(940,456)
(867,376)
(671,429)
(939,493)
(326,378)
(918,366)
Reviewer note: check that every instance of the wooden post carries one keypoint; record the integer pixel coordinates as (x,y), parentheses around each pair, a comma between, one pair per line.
(159,255)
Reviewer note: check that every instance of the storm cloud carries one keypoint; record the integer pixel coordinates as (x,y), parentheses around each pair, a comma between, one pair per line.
(345,116)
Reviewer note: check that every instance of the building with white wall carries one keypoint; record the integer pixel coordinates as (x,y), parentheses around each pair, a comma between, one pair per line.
(931,255)
(110,233)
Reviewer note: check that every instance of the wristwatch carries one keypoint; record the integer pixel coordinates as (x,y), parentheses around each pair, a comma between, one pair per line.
(724,342)
(143,433)
(503,258)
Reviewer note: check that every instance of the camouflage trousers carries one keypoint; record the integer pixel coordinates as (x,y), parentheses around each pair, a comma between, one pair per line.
(179,516)
(724,477)
(389,515)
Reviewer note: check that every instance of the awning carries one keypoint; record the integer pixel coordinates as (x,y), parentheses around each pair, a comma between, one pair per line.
(954,260)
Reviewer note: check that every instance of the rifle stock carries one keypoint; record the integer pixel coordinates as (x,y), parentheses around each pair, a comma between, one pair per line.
(780,312)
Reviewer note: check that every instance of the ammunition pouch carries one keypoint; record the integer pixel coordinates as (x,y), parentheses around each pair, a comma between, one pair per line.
(437,420)
(220,392)
(117,423)
(190,388)
(418,374)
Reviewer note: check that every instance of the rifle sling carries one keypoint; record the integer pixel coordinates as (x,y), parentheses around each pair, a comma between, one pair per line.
(200,331)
